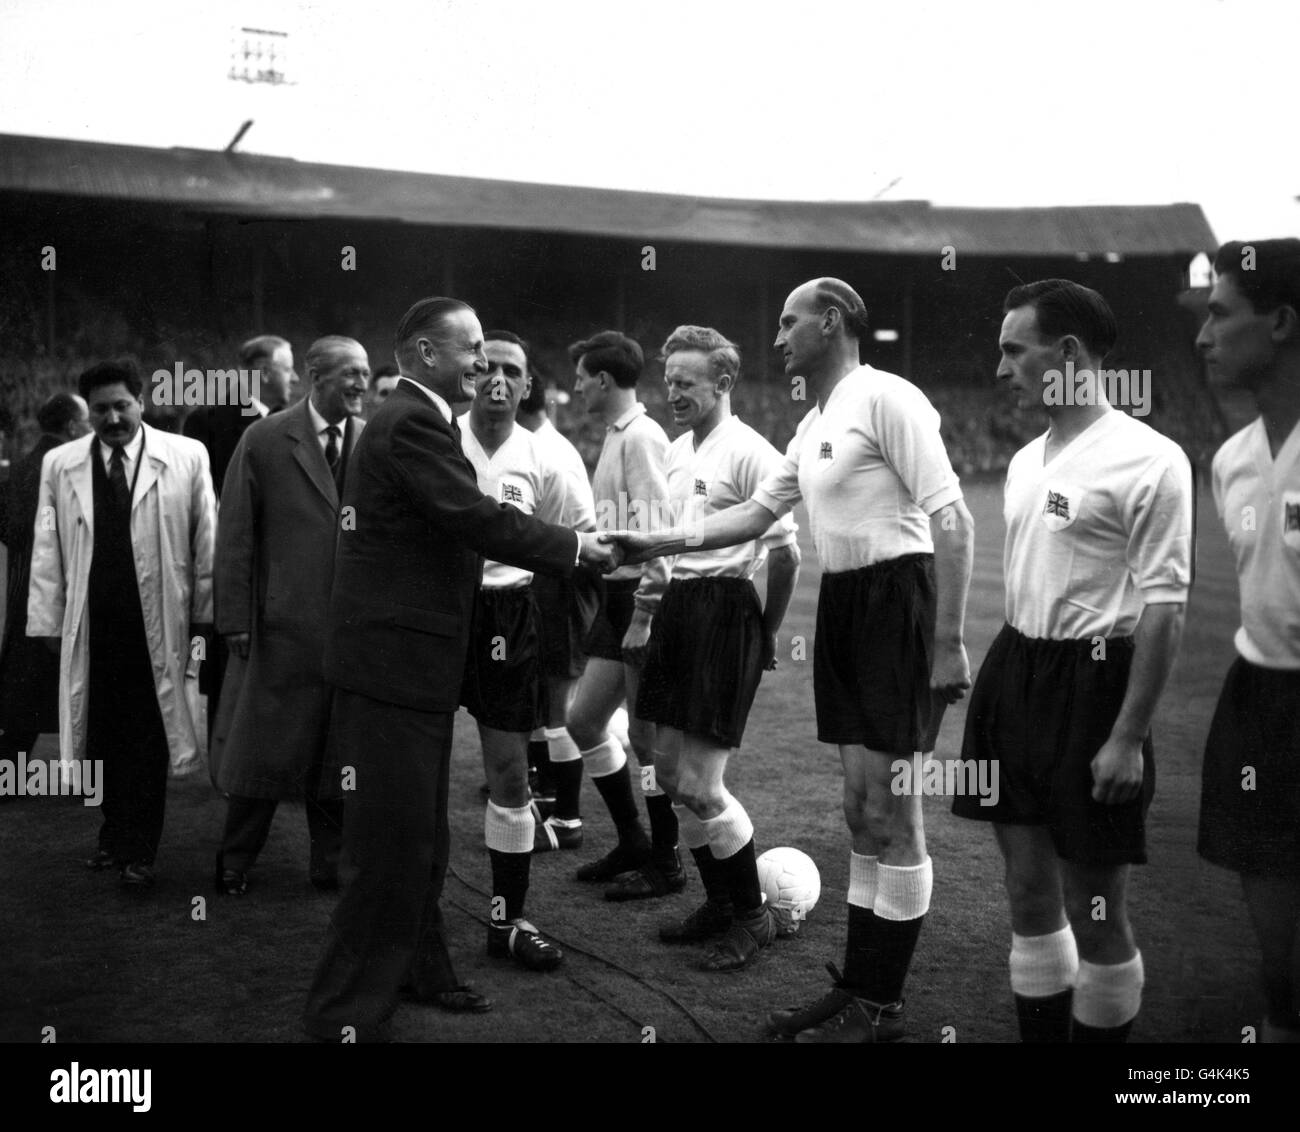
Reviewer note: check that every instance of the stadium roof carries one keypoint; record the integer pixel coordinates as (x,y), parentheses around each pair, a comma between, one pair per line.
(248,184)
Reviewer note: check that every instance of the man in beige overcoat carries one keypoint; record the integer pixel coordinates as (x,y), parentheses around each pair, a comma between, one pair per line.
(122,574)
(274,567)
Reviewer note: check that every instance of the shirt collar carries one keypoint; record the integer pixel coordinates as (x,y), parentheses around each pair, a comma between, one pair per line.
(638,407)
(263,409)
(318,423)
(442,405)
(131,450)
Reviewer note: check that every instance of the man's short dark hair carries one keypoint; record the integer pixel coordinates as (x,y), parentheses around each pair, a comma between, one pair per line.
(507,336)
(256,350)
(836,293)
(110,373)
(1273,278)
(614,353)
(58,412)
(427,319)
(386,370)
(1063,307)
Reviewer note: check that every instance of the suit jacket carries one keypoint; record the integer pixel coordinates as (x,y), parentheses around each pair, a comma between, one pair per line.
(29,672)
(173,518)
(273,572)
(219,427)
(413,533)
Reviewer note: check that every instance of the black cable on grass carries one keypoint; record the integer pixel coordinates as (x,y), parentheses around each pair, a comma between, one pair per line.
(612,963)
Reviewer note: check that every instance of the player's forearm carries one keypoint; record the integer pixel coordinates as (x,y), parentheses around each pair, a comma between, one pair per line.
(782,574)
(1155,650)
(736,524)
(952,530)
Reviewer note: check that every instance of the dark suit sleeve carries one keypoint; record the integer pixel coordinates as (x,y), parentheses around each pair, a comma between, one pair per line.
(441,484)
(235,565)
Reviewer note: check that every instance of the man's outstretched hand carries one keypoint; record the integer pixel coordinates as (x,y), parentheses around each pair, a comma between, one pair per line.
(636,546)
(600,551)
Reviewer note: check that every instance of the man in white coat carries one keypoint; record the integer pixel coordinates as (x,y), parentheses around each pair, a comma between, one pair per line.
(122,574)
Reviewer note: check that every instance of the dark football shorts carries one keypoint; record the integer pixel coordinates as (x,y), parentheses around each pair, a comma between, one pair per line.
(872,656)
(1039,713)
(1250,822)
(605,640)
(503,686)
(566,608)
(704,660)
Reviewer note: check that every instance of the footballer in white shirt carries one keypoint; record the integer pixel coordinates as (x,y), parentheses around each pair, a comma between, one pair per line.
(895,543)
(504,687)
(1098,562)
(710,644)
(1251,339)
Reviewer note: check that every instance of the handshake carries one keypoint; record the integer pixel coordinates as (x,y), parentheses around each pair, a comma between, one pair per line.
(606,551)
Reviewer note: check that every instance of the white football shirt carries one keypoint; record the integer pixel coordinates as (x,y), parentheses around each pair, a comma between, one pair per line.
(872,469)
(1098,532)
(1258,500)
(725,470)
(520,474)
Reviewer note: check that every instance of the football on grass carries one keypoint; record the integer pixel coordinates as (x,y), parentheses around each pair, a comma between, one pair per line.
(789,877)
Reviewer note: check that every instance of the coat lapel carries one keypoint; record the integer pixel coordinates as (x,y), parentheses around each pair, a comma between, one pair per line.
(308,454)
(83,487)
(151,466)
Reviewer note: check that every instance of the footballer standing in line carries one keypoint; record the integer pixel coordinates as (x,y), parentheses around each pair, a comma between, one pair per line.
(1250,786)
(1098,563)
(504,687)
(711,642)
(894,539)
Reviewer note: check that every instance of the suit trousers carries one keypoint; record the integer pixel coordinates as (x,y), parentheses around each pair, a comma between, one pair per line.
(386,932)
(125,734)
(248,823)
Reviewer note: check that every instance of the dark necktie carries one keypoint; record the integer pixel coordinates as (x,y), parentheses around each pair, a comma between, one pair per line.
(117,478)
(332,453)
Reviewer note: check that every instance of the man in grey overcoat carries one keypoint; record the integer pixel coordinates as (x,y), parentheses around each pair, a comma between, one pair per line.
(276,533)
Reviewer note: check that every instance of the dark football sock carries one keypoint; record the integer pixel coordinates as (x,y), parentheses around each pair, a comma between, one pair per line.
(887,957)
(510,873)
(1111,1035)
(568,788)
(663,829)
(741,870)
(616,790)
(539,756)
(1045,1019)
(857,950)
(715,886)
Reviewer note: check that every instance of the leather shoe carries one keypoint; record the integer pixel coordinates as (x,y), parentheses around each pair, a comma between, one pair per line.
(648,882)
(233,883)
(137,874)
(102,860)
(460,999)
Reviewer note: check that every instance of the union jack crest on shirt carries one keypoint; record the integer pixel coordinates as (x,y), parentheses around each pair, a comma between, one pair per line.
(701,488)
(1292,522)
(1057,504)
(510,493)
(825,453)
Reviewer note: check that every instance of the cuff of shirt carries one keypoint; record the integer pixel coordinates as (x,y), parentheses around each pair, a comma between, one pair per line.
(577,554)
(770,501)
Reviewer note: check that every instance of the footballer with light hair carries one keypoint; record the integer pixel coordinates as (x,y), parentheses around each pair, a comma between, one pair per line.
(1251,339)
(1098,564)
(711,642)
(894,540)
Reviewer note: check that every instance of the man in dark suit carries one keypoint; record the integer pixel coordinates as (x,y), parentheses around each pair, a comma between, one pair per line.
(273,571)
(220,427)
(413,533)
(29,671)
